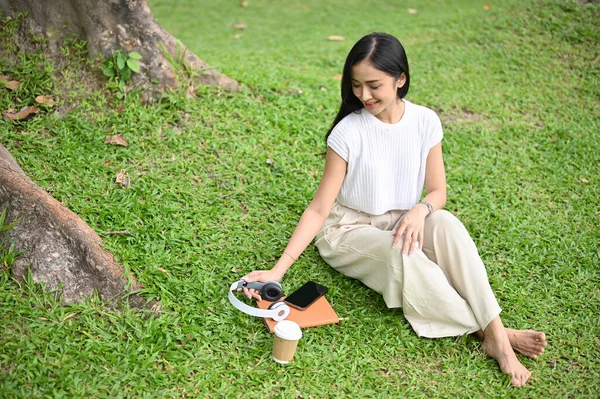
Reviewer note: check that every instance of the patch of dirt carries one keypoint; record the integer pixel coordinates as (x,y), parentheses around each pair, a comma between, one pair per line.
(459,115)
(73,75)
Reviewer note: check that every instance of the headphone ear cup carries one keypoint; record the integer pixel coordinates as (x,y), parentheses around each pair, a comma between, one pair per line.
(282,309)
(272,291)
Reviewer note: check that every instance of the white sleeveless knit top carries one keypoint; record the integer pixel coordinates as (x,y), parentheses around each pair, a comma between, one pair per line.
(386,162)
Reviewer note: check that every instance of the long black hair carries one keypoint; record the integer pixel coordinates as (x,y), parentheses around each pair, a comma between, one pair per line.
(386,53)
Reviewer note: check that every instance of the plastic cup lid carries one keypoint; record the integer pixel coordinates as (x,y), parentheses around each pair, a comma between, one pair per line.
(288,330)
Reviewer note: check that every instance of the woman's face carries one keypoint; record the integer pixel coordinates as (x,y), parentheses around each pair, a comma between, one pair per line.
(377,90)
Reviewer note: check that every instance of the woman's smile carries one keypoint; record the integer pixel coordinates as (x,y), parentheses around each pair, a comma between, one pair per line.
(378,91)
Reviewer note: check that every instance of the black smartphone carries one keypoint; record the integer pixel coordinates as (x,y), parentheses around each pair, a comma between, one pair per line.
(304,296)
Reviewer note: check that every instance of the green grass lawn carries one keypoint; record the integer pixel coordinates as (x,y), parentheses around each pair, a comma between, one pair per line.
(218,183)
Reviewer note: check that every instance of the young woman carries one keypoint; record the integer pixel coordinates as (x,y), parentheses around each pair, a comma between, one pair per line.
(371,224)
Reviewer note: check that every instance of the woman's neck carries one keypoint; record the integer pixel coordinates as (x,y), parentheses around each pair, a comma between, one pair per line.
(393,115)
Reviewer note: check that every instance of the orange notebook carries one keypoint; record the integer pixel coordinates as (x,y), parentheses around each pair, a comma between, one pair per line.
(317,314)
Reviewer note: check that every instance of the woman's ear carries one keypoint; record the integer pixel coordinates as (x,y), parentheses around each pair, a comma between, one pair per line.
(401,80)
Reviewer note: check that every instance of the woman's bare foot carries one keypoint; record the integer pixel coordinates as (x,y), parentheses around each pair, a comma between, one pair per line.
(527,342)
(498,346)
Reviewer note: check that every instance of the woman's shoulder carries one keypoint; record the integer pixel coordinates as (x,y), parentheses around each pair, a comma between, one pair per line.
(421,111)
(349,124)
(353,118)
(428,121)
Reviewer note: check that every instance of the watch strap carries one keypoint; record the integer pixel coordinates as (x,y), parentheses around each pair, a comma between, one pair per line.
(428,205)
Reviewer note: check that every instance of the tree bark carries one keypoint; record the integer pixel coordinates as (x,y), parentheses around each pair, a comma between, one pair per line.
(126,25)
(59,248)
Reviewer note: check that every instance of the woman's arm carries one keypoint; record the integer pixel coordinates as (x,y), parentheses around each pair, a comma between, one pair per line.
(435,188)
(435,179)
(310,223)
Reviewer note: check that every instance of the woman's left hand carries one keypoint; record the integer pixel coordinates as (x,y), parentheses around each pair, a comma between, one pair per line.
(411,229)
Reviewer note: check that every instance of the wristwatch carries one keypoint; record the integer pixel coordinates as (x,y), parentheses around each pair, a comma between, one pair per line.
(428,205)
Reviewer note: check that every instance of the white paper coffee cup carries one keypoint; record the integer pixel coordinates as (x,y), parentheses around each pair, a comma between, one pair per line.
(287,335)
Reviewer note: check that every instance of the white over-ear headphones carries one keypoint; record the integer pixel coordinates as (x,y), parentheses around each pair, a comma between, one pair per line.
(270,291)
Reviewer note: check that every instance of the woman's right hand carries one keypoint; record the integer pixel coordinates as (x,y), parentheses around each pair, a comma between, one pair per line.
(262,276)
(311,221)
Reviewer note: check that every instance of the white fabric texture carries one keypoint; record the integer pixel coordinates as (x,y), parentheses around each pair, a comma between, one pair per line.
(386,162)
(443,290)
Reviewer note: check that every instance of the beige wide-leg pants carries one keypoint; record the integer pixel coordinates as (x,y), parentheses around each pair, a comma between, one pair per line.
(442,289)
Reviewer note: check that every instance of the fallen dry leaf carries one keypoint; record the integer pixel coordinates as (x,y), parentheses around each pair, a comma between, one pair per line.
(335,38)
(337,77)
(239,26)
(11,85)
(45,100)
(412,11)
(6,82)
(117,139)
(23,114)
(244,4)
(160,269)
(584,180)
(69,316)
(123,179)
(487,6)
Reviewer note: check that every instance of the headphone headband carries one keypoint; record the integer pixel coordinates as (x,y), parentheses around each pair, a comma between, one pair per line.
(277,311)
(255,285)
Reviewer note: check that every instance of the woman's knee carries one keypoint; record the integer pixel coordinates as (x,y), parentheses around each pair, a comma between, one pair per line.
(444,220)
(441,216)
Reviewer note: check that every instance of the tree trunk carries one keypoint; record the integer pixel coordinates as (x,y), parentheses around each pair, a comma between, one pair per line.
(109,25)
(59,248)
